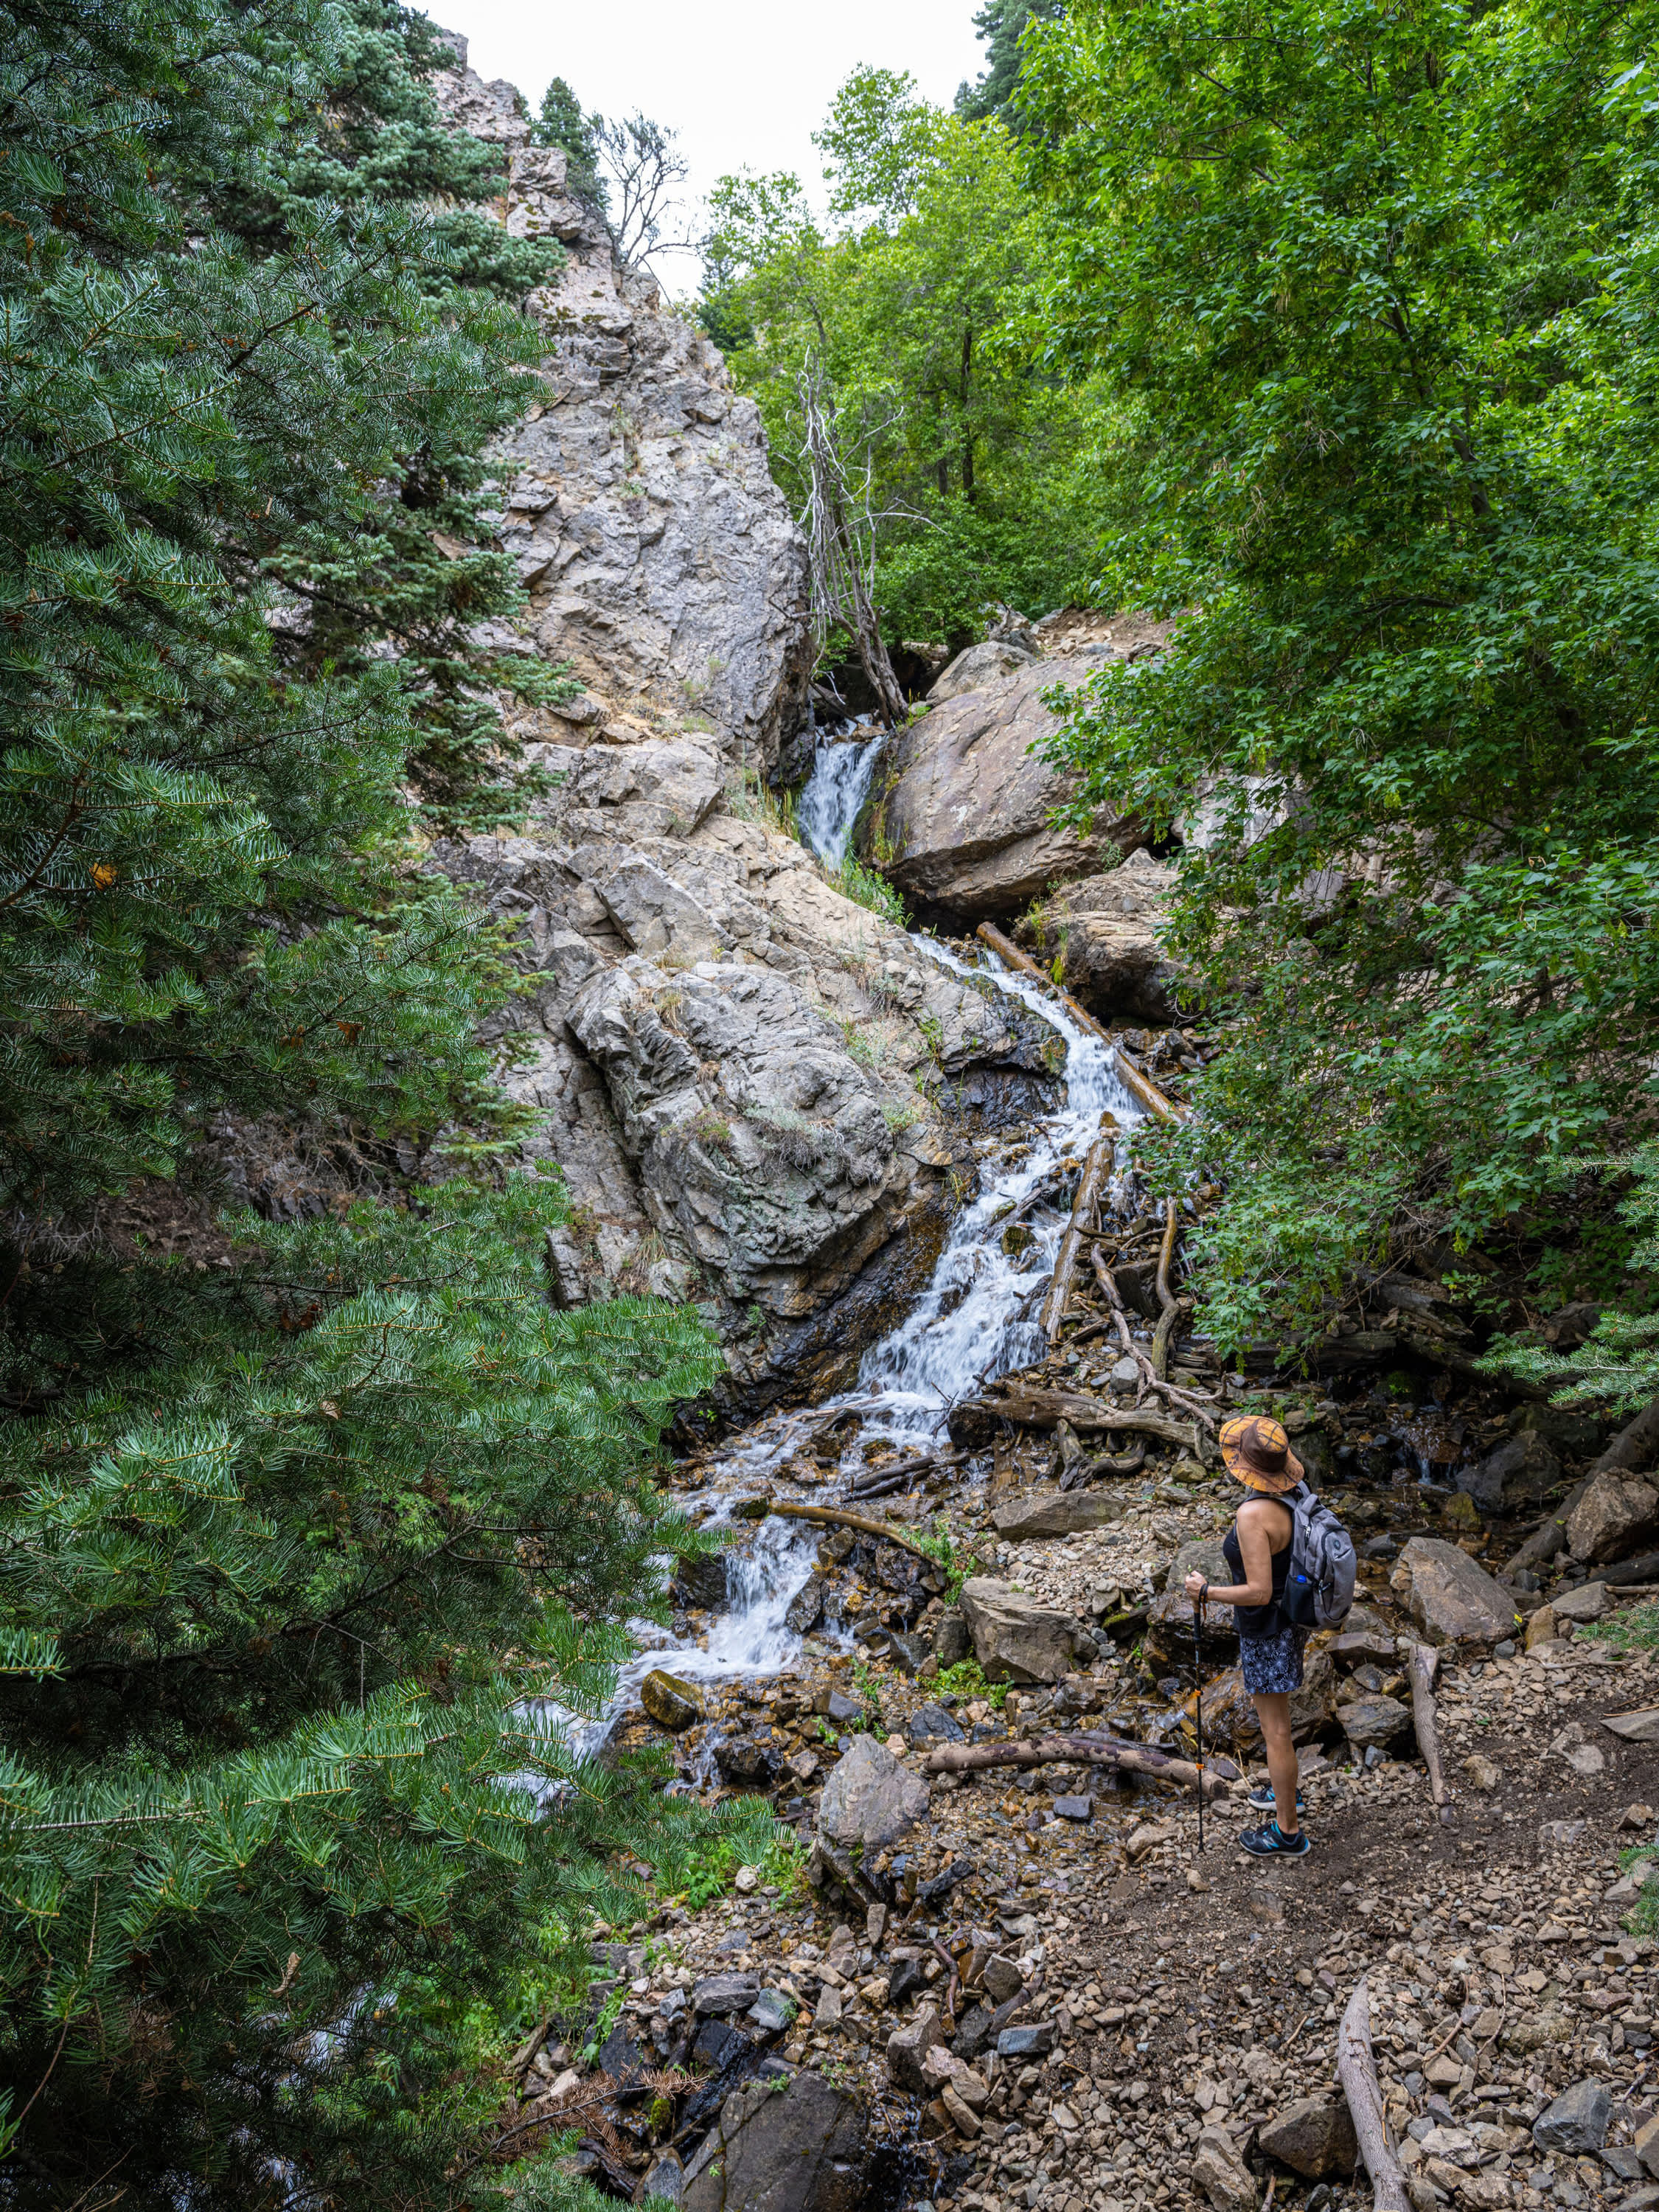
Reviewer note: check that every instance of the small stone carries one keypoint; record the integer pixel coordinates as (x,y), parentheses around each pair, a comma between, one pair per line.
(1505,1650)
(1003,1979)
(771,2012)
(1577,2121)
(802,1765)
(1195,1880)
(966,2122)
(1611,1517)
(1035,2041)
(829,2011)
(908,2046)
(1374,1722)
(1147,1837)
(1482,1773)
(1540,1628)
(1444,2072)
(1637,1816)
(1590,1601)
(725,1993)
(1074,1809)
(746,1881)
(672,1705)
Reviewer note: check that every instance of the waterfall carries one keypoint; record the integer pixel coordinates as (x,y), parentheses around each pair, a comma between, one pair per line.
(831,799)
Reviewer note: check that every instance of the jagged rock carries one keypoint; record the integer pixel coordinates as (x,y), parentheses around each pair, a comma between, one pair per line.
(1003,1979)
(749,1759)
(952,1639)
(1105,931)
(1222,2174)
(1016,1638)
(672,1705)
(1378,1720)
(908,2046)
(723,1994)
(654,914)
(1170,1618)
(806,1609)
(1611,1517)
(1056,1513)
(870,1800)
(1034,2039)
(1452,1599)
(1516,1477)
(703,1580)
(967,804)
(931,1724)
(1577,2120)
(1590,1601)
(1312,2137)
(803,2148)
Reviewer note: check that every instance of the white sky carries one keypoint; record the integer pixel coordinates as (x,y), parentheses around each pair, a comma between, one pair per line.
(744,82)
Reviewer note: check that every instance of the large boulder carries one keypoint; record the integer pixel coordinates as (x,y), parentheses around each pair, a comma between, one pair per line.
(1229,1714)
(1379,1722)
(1017,1638)
(967,804)
(1612,1518)
(1516,1477)
(1169,1619)
(1056,1513)
(979,665)
(800,2147)
(1220,2171)
(1450,1598)
(1104,930)
(871,1799)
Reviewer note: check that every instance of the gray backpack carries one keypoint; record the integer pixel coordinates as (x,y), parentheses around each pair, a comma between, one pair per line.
(1319,1587)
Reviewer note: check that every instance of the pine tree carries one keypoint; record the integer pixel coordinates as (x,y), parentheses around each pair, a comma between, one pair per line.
(562,123)
(305,1553)
(995,92)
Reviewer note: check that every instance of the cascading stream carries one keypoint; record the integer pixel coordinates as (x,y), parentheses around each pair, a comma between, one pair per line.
(830,802)
(973,1322)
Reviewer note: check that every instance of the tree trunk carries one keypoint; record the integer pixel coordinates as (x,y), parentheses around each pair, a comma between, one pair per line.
(1097,1168)
(1357,2070)
(1423,1660)
(1082,1751)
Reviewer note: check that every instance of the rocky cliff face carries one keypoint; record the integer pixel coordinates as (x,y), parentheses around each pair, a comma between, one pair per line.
(751,1083)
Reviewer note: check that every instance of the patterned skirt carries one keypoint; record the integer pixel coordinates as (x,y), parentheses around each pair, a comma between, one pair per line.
(1273,1662)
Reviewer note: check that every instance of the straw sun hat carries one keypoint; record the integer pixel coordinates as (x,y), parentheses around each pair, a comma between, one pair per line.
(1258,1454)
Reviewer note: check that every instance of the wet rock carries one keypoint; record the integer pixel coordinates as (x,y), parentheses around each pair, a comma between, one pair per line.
(1312,2137)
(703,1581)
(974,2034)
(837,1708)
(907,1978)
(1452,1599)
(1222,2174)
(1611,1517)
(719,2046)
(724,1993)
(1105,931)
(806,1609)
(1017,1638)
(665,2178)
(672,1705)
(1056,1513)
(908,2046)
(952,1640)
(803,2148)
(1578,2120)
(748,1760)
(871,1800)
(932,1725)
(969,802)
(1384,1721)
(910,1652)
(1516,1477)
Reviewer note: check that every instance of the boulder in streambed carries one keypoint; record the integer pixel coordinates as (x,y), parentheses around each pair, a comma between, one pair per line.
(1056,1513)
(1017,1638)
(673,1705)
(1105,929)
(1170,1623)
(1611,1516)
(1516,1477)
(968,804)
(782,2144)
(871,1800)
(1451,1599)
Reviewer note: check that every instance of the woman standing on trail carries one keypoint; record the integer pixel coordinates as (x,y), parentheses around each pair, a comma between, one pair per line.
(1258,1454)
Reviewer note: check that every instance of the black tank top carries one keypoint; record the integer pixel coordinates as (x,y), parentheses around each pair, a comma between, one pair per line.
(1258,1619)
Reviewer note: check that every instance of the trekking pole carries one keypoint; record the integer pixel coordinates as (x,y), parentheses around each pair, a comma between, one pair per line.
(1198,1707)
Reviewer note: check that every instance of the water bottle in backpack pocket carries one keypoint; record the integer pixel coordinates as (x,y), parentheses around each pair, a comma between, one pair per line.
(1319,1585)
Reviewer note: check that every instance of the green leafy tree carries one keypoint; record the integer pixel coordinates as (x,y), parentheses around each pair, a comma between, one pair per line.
(1000,24)
(308,1552)
(1382,286)
(914,312)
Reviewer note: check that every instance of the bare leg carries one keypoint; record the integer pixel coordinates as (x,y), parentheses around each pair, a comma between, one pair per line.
(1272,1709)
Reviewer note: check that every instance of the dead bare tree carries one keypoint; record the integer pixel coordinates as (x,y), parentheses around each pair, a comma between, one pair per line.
(643,169)
(839,525)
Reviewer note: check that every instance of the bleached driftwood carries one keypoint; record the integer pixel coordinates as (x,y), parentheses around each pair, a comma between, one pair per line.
(1423,1660)
(1097,1168)
(1357,2071)
(1081,1751)
(830,1517)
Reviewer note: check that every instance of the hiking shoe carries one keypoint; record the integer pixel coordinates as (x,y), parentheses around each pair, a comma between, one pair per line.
(1264,1800)
(1270,1841)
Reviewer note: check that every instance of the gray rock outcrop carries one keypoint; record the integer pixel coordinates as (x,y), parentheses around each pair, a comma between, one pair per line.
(1105,929)
(724,1051)
(1452,1599)
(965,805)
(802,2147)
(871,1799)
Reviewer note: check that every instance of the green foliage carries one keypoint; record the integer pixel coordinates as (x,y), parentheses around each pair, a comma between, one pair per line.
(866,888)
(1635,1629)
(314,1554)
(1384,288)
(913,310)
(741,1833)
(1000,24)
(966,1679)
(562,123)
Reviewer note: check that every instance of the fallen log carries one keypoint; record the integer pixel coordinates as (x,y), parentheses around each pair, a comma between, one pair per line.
(1097,1168)
(1083,1751)
(829,1516)
(1166,1297)
(1641,1572)
(1635,1446)
(1424,1660)
(1357,2071)
(1043,1409)
(1023,964)
(1145,1092)
(881,1478)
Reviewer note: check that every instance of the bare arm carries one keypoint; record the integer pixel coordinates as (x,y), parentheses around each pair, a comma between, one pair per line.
(1256,1532)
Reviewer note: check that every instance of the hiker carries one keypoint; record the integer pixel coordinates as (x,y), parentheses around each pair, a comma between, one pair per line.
(1257,1453)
